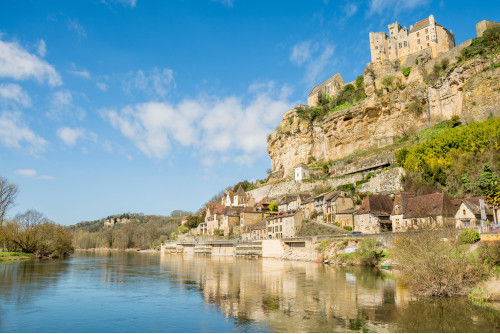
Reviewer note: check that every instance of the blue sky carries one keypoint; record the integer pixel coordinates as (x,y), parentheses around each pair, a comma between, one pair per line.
(150,106)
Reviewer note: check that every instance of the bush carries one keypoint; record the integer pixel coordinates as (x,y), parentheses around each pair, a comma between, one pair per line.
(406,72)
(273,206)
(348,228)
(489,253)
(432,267)
(387,80)
(368,253)
(468,236)
(415,107)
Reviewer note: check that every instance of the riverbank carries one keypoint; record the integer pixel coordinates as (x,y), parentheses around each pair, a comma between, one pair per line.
(15,256)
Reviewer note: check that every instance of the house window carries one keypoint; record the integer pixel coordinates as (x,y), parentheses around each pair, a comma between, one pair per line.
(463,211)
(405,44)
(418,35)
(400,45)
(426,38)
(418,41)
(376,48)
(427,44)
(426,30)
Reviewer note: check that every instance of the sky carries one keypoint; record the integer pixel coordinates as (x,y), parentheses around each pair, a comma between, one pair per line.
(113,106)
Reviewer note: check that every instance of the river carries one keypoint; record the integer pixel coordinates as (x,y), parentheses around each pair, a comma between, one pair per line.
(144,292)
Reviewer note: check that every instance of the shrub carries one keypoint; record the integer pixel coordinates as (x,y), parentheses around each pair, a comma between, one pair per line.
(489,253)
(368,253)
(432,267)
(478,295)
(273,206)
(415,107)
(348,228)
(387,80)
(406,72)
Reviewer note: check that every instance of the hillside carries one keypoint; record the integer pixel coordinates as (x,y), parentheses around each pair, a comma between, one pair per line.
(401,99)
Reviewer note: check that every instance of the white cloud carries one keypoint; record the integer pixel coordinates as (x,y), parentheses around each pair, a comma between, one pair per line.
(14,134)
(155,83)
(46,177)
(25,172)
(350,9)
(16,63)
(83,73)
(128,3)
(209,124)
(314,56)
(102,86)
(69,136)
(301,52)
(62,98)
(395,6)
(227,3)
(42,48)
(61,105)
(76,26)
(14,93)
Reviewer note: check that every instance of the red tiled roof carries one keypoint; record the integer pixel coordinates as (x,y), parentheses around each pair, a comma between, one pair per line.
(429,206)
(380,205)
(215,208)
(401,200)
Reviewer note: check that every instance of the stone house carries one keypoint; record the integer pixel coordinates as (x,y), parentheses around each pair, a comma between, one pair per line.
(307,206)
(255,232)
(400,203)
(263,205)
(301,172)
(213,216)
(345,217)
(335,201)
(373,215)
(425,36)
(230,219)
(434,210)
(288,203)
(330,87)
(285,225)
(469,212)
(249,216)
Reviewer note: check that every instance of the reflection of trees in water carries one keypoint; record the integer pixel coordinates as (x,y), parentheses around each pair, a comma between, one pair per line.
(447,315)
(23,281)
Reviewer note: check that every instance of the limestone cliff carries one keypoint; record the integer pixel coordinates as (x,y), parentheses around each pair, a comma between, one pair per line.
(470,90)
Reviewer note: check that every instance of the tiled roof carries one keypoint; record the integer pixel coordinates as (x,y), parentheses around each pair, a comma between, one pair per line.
(332,196)
(456,202)
(304,197)
(380,205)
(429,206)
(288,199)
(336,77)
(215,208)
(240,191)
(232,211)
(401,200)
(420,25)
(474,206)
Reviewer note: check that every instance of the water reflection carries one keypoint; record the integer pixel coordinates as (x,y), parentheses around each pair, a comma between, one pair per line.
(131,292)
(307,297)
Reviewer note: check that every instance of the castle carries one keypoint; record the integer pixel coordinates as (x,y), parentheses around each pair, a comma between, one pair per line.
(425,36)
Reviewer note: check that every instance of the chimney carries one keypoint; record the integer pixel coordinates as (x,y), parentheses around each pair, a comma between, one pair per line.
(411,27)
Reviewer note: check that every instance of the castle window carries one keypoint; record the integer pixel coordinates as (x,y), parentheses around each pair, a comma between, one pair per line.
(427,38)
(418,34)
(400,45)
(426,30)
(405,44)
(427,44)
(418,41)
(376,48)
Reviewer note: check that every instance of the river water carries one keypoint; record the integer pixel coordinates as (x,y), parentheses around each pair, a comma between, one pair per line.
(144,292)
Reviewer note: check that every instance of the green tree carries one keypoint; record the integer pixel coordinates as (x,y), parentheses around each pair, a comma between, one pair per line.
(273,206)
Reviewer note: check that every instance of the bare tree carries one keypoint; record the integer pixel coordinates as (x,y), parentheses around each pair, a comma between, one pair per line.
(8,193)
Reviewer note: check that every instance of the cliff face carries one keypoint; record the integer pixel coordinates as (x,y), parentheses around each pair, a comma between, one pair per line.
(470,90)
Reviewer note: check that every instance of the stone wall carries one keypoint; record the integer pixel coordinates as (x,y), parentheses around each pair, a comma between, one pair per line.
(485,25)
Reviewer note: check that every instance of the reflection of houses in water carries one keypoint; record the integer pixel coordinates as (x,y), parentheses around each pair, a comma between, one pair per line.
(296,296)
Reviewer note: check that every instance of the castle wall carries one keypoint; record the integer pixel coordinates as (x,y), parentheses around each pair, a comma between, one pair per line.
(484,25)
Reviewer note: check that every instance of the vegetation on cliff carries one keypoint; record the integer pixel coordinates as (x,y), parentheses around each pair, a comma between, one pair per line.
(461,160)
(346,97)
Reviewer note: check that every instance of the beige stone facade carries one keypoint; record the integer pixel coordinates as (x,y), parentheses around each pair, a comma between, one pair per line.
(484,25)
(330,87)
(284,226)
(425,34)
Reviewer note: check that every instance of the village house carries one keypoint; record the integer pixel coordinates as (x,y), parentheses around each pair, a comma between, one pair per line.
(469,212)
(255,232)
(345,217)
(373,215)
(213,217)
(400,203)
(301,172)
(434,210)
(288,203)
(230,219)
(262,205)
(426,36)
(307,206)
(330,87)
(285,225)
(249,216)
(335,201)
(317,209)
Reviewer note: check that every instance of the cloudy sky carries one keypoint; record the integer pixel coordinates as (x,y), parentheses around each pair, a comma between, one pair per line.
(111,106)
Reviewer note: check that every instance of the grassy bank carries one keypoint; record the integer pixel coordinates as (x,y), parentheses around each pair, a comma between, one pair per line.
(15,256)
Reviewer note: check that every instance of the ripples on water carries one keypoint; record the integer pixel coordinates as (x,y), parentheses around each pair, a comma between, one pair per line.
(139,292)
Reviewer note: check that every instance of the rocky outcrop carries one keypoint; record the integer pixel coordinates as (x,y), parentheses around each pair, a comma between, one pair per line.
(470,90)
